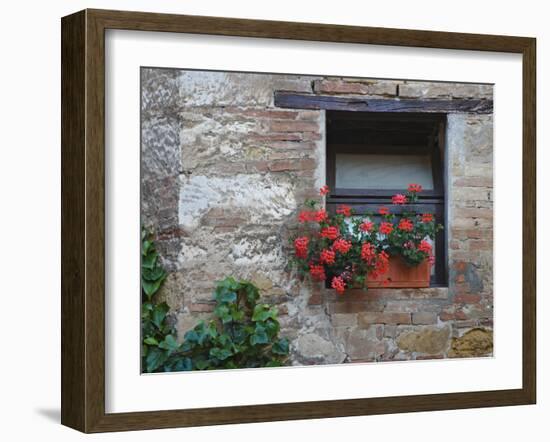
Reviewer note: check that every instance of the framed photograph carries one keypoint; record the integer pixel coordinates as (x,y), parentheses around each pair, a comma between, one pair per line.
(267,221)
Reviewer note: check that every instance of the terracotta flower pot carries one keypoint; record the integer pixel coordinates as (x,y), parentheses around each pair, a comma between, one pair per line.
(401,275)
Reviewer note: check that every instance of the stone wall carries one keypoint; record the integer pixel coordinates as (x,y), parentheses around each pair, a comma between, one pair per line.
(224,173)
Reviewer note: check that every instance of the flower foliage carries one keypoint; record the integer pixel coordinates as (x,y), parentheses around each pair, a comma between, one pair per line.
(345,249)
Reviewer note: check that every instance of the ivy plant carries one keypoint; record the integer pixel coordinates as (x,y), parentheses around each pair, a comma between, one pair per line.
(159,344)
(242,334)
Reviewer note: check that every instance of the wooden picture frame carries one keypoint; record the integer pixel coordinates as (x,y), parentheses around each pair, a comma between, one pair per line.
(83,216)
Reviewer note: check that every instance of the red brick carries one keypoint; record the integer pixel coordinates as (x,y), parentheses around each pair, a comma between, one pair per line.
(315,299)
(273,114)
(467,298)
(294,126)
(202,307)
(257,166)
(276,137)
(452,314)
(459,266)
(285,165)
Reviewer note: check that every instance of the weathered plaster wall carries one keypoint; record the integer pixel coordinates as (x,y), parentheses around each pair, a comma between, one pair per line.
(224,173)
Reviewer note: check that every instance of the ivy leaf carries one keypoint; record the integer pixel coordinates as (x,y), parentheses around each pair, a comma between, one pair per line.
(280,347)
(263,312)
(146,309)
(151,287)
(220,353)
(151,341)
(271,327)
(155,358)
(222,312)
(170,344)
(149,259)
(226,296)
(153,274)
(191,336)
(146,245)
(159,314)
(259,336)
(183,364)
(202,364)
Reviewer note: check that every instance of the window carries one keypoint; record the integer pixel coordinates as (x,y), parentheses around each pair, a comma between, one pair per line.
(372,156)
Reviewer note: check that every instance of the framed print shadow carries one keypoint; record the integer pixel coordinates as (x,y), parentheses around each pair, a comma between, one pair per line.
(266,221)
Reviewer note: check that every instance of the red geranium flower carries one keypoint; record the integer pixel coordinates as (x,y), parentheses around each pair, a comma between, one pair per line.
(384,211)
(327,256)
(330,232)
(414,188)
(301,245)
(427,217)
(338,284)
(382,263)
(399,199)
(431,259)
(366,226)
(405,224)
(342,246)
(317,272)
(386,228)
(320,215)
(425,246)
(344,210)
(368,252)
(304,216)
(324,190)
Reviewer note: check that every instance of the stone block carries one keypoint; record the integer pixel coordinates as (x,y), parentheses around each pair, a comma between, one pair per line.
(365,319)
(474,343)
(429,340)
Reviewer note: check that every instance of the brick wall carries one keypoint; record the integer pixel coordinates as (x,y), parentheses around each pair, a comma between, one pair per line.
(224,174)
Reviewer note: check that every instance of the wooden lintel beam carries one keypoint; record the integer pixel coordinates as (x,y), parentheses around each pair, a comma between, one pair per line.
(330,102)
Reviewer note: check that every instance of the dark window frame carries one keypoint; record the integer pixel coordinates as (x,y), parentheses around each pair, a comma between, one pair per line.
(365,201)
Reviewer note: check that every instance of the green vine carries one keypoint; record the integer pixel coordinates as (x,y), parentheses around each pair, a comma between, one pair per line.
(159,344)
(242,334)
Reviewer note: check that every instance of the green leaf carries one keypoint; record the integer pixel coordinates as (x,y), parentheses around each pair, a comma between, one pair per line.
(149,260)
(151,287)
(263,312)
(153,274)
(155,358)
(259,336)
(220,353)
(191,336)
(170,344)
(159,314)
(280,347)
(202,364)
(151,341)
(146,309)
(183,364)
(223,312)
(226,296)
